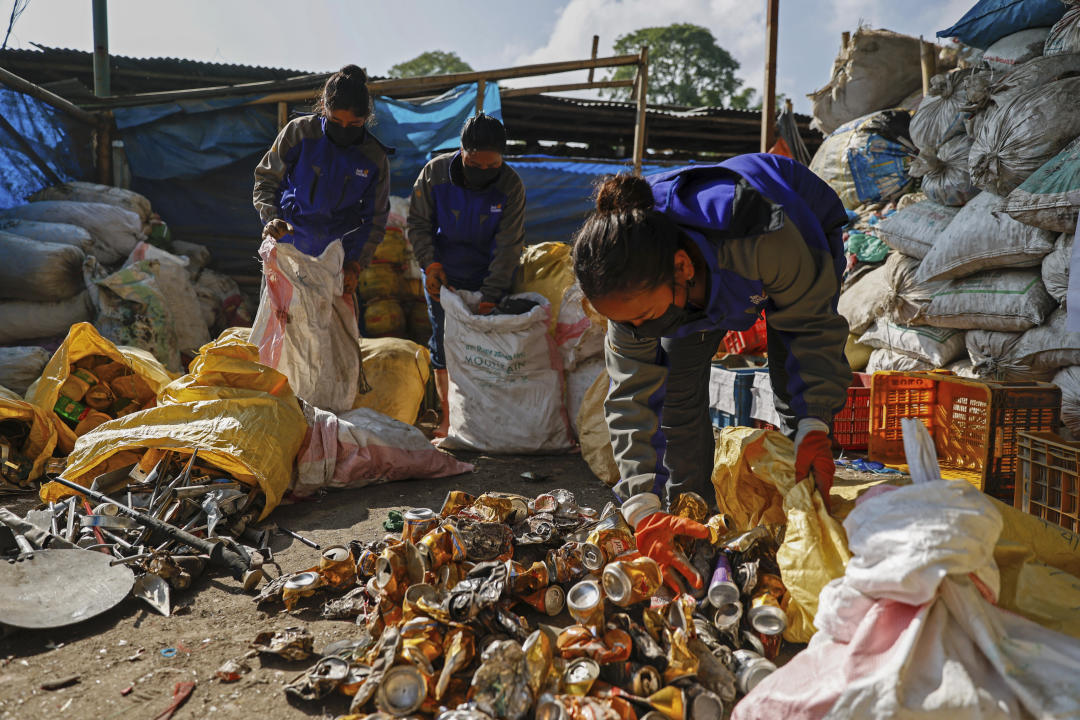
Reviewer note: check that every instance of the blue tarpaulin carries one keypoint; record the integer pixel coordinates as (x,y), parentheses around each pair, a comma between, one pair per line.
(62,142)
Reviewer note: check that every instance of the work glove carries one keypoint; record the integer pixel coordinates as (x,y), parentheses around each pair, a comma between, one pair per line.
(351,276)
(813,453)
(485,308)
(434,279)
(654,535)
(276,228)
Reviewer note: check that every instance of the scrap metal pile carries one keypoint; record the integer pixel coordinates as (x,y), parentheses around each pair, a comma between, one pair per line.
(457,615)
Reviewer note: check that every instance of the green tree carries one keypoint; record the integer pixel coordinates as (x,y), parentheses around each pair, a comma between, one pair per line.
(686,66)
(750,99)
(433,62)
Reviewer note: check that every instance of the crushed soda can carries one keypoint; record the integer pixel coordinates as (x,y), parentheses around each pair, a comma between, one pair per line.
(455,502)
(628,582)
(402,691)
(750,669)
(580,675)
(574,707)
(292,643)
(353,604)
(766,614)
(539,653)
(398,567)
(337,567)
(496,507)
(537,529)
(609,538)
(722,587)
(720,526)
(726,618)
(323,678)
(585,601)
(418,522)
(550,600)
(682,662)
(441,546)
(527,580)
(460,645)
(500,686)
(744,541)
(484,541)
(299,585)
(566,563)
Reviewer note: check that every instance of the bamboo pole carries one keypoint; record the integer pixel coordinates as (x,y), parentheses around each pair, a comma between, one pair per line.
(481,89)
(642,106)
(768,101)
(927,53)
(541,89)
(25,86)
(104,148)
(282,115)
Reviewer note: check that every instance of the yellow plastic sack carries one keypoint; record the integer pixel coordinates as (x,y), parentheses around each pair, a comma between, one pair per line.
(857,354)
(82,340)
(547,269)
(397,371)
(392,249)
(593,432)
(378,281)
(42,437)
(754,480)
(240,415)
(384,317)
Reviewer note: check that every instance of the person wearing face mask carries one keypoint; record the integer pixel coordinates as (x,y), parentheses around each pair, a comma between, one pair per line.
(327,178)
(675,261)
(466,226)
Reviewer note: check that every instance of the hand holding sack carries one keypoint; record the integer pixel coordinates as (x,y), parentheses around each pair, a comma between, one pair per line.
(276,228)
(351,277)
(434,279)
(813,453)
(654,534)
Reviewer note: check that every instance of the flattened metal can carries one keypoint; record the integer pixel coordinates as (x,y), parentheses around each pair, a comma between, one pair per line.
(337,567)
(610,538)
(402,691)
(580,675)
(627,582)
(586,603)
(418,522)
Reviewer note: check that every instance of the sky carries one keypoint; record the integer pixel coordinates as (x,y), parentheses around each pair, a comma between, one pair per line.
(321,35)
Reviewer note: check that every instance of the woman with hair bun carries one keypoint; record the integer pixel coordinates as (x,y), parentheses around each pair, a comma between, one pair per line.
(675,261)
(327,178)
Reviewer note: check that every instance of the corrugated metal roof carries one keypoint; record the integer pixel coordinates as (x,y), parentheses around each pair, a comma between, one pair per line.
(668,110)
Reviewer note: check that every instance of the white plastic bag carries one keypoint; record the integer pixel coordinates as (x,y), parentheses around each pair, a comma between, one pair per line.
(866,300)
(113,229)
(38,271)
(982,238)
(914,229)
(1016,49)
(1049,346)
(364,447)
(889,359)
(21,366)
(505,378)
(174,282)
(1068,379)
(62,233)
(944,171)
(304,328)
(1055,268)
(578,382)
(934,346)
(20,320)
(909,298)
(1008,300)
(87,192)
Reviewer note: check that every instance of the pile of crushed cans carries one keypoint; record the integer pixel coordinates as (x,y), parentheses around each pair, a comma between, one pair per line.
(463,616)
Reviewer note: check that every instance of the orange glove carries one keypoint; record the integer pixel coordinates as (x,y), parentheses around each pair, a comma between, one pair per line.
(351,272)
(655,535)
(813,453)
(485,308)
(434,279)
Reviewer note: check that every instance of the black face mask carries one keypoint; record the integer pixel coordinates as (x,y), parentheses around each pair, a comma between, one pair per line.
(344,136)
(663,326)
(479,178)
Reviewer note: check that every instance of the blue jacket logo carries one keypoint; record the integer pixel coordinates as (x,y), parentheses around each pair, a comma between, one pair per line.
(362,172)
(496,208)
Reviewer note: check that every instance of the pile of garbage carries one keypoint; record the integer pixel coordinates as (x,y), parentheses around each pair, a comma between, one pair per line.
(978,272)
(391,287)
(82,252)
(463,614)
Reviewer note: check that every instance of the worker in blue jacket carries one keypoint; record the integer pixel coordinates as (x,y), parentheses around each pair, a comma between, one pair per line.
(678,259)
(327,178)
(466,226)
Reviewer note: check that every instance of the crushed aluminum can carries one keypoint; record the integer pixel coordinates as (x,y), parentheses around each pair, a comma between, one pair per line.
(402,691)
(500,686)
(441,546)
(585,601)
(539,659)
(610,538)
(704,704)
(544,503)
(720,526)
(750,669)
(579,676)
(722,586)
(398,567)
(744,541)
(354,603)
(299,585)
(461,714)
(573,707)
(460,649)
(692,506)
(422,635)
(337,567)
(527,580)
(323,678)
(628,582)
(566,563)
(772,645)
(485,541)
(550,600)
(645,681)
(746,576)
(292,643)
(765,614)
(726,618)
(500,508)
(670,701)
(682,662)
(537,529)
(418,599)
(456,501)
(418,523)
(358,675)
(567,506)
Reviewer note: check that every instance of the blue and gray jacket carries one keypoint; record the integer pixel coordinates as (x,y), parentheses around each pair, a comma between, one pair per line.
(770,232)
(477,235)
(325,191)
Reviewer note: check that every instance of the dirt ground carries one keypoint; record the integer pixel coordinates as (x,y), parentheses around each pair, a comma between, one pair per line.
(129,659)
(118,656)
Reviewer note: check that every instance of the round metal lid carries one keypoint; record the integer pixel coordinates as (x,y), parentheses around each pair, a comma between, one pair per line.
(53,588)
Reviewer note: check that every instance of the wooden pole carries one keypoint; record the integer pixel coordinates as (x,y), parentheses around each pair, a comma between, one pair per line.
(102,80)
(845,38)
(768,100)
(481,89)
(104,148)
(282,115)
(541,89)
(642,106)
(595,46)
(15,82)
(927,55)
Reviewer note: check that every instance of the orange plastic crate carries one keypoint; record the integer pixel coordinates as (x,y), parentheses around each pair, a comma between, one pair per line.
(974,424)
(851,426)
(1048,478)
(749,342)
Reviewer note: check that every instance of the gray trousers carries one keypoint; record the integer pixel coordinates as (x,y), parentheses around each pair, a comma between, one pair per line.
(687,428)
